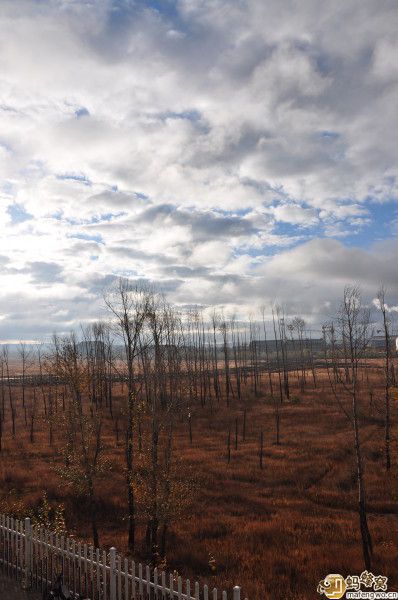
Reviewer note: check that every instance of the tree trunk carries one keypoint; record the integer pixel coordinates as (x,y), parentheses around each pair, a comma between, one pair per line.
(363,522)
(94,524)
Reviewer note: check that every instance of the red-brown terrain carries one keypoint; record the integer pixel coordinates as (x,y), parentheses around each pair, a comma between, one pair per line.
(275,531)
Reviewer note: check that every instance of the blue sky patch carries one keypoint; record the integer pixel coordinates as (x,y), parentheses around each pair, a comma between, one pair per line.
(87,237)
(381,226)
(81,112)
(329,135)
(18,214)
(81,178)
(102,218)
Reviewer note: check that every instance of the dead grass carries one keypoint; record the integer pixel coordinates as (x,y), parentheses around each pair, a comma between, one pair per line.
(277,531)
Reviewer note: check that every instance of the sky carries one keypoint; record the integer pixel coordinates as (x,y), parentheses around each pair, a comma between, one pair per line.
(231,153)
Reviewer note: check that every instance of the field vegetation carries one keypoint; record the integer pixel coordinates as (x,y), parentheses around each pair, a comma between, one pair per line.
(201,448)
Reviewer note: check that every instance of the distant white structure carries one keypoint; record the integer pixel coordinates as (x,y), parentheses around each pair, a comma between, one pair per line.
(378,342)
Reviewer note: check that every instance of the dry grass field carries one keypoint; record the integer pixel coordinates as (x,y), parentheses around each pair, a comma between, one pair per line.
(275,531)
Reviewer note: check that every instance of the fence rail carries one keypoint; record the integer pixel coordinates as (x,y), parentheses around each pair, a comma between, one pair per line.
(36,556)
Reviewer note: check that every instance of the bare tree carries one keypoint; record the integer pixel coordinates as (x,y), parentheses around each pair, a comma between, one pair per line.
(6,362)
(128,305)
(216,381)
(299,325)
(224,336)
(79,439)
(277,356)
(354,323)
(381,297)
(26,356)
(163,500)
(266,352)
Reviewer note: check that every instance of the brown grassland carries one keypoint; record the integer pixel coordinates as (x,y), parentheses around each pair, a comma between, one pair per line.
(275,531)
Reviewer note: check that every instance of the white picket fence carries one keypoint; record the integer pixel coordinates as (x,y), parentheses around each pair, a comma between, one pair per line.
(36,556)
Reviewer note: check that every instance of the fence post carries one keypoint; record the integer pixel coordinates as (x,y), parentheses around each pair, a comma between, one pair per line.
(112,574)
(28,553)
(236,593)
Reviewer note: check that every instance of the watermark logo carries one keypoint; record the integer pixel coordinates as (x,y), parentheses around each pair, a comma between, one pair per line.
(335,586)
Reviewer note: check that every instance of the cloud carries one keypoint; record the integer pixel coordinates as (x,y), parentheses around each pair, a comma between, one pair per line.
(44,272)
(296,215)
(216,149)
(203,225)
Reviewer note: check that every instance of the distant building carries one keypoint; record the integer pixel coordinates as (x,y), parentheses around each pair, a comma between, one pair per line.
(295,345)
(378,342)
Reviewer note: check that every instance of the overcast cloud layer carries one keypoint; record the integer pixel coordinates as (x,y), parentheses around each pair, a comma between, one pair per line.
(232,152)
